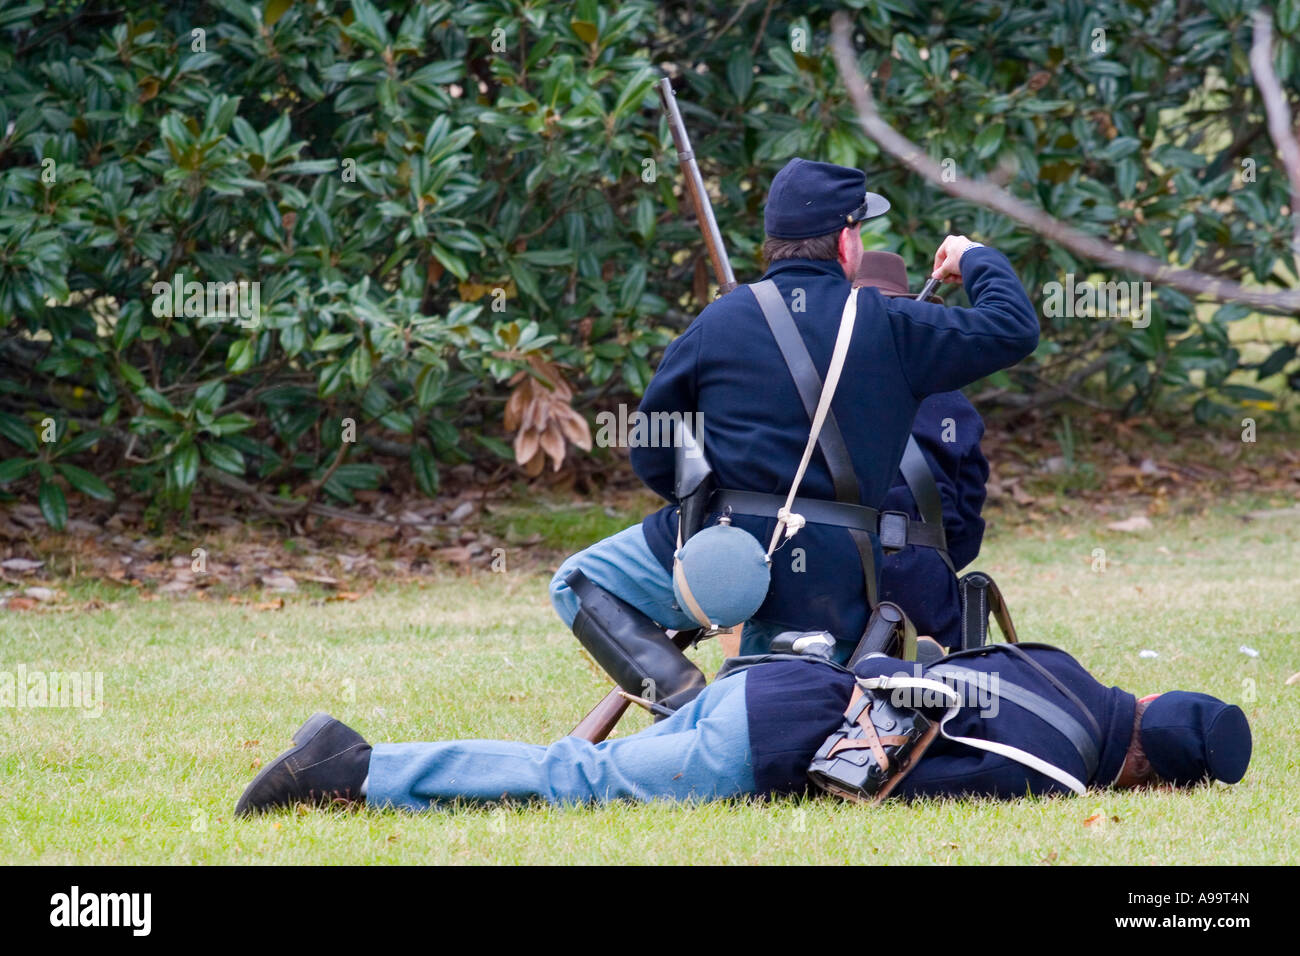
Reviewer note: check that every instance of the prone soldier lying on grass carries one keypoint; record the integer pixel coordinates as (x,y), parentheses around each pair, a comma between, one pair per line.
(1004,720)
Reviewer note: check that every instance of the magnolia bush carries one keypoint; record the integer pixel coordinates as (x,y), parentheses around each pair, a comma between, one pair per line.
(305,248)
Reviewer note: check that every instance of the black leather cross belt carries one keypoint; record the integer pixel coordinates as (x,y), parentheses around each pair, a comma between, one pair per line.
(894,528)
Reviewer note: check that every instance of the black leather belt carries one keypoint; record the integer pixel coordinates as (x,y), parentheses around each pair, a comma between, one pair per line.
(894,528)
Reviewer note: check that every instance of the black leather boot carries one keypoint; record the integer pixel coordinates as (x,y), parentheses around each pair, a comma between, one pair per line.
(632,649)
(327,764)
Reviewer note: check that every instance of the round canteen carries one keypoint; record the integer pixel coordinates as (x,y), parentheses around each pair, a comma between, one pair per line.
(725,571)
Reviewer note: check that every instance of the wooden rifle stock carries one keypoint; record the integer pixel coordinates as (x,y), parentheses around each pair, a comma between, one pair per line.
(695,188)
(601,719)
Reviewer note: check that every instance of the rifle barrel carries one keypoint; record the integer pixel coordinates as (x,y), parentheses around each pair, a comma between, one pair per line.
(695,187)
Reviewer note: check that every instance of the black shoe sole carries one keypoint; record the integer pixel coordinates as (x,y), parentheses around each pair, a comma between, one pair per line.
(302,736)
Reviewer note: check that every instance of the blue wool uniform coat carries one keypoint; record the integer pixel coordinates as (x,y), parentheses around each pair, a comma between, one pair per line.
(948,431)
(727,367)
(794,706)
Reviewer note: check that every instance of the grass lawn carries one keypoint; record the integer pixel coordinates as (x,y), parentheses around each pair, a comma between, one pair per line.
(198,693)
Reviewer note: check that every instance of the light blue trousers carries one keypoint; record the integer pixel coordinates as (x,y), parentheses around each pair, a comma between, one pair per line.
(699,753)
(623,564)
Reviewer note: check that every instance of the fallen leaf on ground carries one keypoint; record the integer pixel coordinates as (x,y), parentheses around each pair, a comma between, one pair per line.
(320,579)
(22,565)
(269,605)
(1135,523)
(458,555)
(460,512)
(1293,679)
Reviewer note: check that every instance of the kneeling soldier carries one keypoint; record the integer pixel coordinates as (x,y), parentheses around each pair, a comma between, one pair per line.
(750,368)
(1009,720)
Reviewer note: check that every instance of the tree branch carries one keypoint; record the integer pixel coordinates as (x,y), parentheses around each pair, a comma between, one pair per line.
(762,28)
(1279,118)
(989,196)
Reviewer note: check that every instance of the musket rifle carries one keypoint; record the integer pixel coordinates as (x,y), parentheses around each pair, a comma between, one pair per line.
(601,720)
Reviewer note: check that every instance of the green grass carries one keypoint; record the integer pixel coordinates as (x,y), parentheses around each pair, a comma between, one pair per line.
(197,691)
(558,524)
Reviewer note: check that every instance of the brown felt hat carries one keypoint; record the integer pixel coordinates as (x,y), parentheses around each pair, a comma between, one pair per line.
(886,273)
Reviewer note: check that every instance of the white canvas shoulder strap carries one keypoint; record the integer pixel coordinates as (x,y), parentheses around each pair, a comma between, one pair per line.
(785,518)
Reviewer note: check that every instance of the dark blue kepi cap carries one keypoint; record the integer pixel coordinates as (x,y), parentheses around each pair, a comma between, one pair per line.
(1190,737)
(810,199)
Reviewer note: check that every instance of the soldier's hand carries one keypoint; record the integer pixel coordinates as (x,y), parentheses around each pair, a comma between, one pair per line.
(947,261)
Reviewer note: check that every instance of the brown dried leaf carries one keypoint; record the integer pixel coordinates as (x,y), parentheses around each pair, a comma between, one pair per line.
(542,412)
(456,555)
(324,579)
(515,409)
(563,393)
(472,291)
(552,442)
(1138,522)
(575,428)
(533,467)
(529,420)
(526,444)
(551,375)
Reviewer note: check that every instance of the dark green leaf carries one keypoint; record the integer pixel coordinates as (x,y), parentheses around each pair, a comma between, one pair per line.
(84,482)
(53,504)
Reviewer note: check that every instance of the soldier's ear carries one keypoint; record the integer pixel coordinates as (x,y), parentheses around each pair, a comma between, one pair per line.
(849,249)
